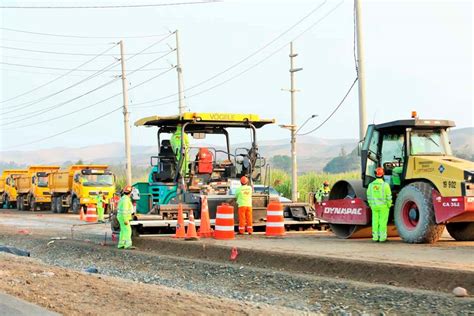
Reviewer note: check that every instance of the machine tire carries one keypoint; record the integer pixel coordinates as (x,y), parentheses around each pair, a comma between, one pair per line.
(53,205)
(114,223)
(59,205)
(461,231)
(33,204)
(414,214)
(75,205)
(19,203)
(8,205)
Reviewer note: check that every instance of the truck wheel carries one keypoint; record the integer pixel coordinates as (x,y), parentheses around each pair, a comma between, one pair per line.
(53,205)
(33,204)
(414,214)
(461,231)
(8,205)
(59,205)
(75,205)
(19,203)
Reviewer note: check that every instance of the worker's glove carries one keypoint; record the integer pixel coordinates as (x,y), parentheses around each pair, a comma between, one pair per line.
(126,222)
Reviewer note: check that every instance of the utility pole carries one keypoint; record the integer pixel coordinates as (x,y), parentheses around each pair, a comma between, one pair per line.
(360,72)
(179,69)
(126,118)
(293,127)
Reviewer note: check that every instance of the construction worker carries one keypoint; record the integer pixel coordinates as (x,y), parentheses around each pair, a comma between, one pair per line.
(124,216)
(176,146)
(243,194)
(379,196)
(100,200)
(323,192)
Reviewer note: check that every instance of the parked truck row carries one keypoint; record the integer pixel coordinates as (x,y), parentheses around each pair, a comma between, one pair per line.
(42,187)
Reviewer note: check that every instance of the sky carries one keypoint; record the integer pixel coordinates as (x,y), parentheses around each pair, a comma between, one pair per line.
(418,56)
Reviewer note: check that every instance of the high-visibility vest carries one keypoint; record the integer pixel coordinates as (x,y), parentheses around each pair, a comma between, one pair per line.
(244,195)
(125,206)
(379,193)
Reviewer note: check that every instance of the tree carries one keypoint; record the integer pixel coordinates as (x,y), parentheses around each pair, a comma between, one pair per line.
(79,162)
(343,162)
(282,162)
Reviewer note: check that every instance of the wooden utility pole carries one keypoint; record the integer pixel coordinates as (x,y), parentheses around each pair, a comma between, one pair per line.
(126,119)
(360,72)
(179,69)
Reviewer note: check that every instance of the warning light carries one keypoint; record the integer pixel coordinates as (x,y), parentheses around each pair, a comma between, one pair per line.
(414,114)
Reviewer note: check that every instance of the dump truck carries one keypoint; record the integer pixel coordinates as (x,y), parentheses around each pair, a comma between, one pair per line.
(78,187)
(9,194)
(32,188)
(183,173)
(432,189)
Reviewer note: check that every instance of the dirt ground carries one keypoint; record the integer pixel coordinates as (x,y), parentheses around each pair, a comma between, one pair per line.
(73,293)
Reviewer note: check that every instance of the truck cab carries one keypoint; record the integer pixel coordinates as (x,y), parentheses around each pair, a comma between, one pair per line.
(9,195)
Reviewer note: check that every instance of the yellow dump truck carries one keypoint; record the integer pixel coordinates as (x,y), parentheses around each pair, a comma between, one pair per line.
(9,194)
(32,188)
(78,186)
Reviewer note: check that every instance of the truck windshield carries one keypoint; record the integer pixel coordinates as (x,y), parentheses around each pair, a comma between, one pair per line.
(101,180)
(43,182)
(429,143)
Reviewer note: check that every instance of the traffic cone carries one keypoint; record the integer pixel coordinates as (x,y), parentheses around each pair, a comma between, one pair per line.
(191,233)
(205,227)
(180,230)
(81,214)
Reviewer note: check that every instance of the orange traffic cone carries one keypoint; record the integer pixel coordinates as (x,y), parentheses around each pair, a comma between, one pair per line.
(205,227)
(180,230)
(191,233)
(81,214)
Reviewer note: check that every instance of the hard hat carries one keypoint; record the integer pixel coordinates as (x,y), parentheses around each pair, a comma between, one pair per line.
(326,184)
(244,180)
(127,189)
(379,172)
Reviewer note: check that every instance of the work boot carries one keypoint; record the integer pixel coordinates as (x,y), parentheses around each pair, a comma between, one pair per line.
(130,248)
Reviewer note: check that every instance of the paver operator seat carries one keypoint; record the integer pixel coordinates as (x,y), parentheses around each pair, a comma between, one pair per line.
(167,163)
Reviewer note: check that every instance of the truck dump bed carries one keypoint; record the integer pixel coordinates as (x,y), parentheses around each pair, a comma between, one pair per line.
(60,181)
(23,183)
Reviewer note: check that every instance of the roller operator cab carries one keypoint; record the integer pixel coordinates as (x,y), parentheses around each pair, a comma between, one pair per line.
(184,169)
(431,188)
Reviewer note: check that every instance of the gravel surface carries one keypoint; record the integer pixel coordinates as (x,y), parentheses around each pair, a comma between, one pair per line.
(294,291)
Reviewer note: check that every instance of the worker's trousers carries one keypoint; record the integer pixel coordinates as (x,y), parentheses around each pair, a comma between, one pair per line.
(245,219)
(100,213)
(379,222)
(125,238)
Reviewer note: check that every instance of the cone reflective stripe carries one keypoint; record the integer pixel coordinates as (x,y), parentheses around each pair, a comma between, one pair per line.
(91,214)
(191,233)
(205,227)
(275,225)
(180,230)
(224,227)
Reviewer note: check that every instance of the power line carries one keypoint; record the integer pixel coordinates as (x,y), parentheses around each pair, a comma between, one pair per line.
(38,112)
(51,43)
(251,55)
(94,104)
(58,78)
(79,36)
(34,102)
(49,82)
(59,68)
(333,112)
(38,73)
(68,130)
(110,6)
(69,53)
(245,70)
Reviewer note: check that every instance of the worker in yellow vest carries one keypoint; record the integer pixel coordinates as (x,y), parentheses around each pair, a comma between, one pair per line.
(243,195)
(100,201)
(379,197)
(124,216)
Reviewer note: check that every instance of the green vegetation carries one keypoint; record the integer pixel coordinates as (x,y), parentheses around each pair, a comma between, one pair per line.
(139,174)
(343,163)
(281,162)
(308,182)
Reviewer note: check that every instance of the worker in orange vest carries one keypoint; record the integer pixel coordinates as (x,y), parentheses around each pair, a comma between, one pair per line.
(243,195)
